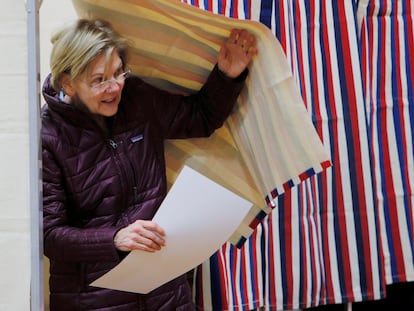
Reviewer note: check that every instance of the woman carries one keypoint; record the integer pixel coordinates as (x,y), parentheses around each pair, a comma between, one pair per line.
(103,160)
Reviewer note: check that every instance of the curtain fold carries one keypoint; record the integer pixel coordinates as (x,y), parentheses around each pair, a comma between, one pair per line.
(387,57)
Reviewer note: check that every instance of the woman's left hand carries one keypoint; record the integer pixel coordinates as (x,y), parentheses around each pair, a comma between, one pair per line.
(236,53)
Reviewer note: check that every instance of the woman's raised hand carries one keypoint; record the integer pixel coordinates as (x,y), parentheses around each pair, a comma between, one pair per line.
(236,53)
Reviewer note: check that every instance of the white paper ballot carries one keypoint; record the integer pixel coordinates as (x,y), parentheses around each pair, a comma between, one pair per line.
(198,216)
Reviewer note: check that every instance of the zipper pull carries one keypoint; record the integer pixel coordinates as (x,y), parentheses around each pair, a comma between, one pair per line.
(113,144)
(135,189)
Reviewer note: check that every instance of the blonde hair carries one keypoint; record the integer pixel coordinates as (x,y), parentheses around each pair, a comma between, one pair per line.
(76,46)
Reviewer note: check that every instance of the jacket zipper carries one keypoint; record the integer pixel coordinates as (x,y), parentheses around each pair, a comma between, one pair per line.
(114,146)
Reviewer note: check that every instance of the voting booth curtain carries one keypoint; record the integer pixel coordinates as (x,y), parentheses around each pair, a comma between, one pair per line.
(347,232)
(338,226)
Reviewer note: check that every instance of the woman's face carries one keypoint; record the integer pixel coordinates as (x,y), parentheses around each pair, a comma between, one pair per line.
(100,87)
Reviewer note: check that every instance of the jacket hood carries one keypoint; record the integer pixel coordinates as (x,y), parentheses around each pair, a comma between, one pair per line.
(52,99)
(48,91)
(78,115)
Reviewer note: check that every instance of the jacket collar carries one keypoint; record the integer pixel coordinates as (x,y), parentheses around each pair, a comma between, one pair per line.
(75,114)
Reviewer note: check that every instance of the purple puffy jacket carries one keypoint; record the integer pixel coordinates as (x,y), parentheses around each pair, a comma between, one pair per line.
(96,182)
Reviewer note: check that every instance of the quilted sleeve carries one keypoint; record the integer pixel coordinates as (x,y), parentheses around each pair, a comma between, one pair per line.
(199,114)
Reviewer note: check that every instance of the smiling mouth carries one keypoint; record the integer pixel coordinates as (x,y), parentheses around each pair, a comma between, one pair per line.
(109,101)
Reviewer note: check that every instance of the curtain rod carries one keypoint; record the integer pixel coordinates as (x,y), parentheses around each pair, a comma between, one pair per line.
(36,223)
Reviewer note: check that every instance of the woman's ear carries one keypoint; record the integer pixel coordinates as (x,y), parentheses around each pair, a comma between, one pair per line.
(67,85)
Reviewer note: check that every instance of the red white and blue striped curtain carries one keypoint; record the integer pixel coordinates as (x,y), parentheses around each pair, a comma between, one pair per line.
(387,57)
(239,9)
(342,234)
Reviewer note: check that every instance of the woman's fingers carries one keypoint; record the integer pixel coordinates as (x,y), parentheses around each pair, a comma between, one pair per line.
(244,39)
(140,235)
(149,236)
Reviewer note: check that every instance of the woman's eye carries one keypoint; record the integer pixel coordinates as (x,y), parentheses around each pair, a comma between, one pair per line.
(97,81)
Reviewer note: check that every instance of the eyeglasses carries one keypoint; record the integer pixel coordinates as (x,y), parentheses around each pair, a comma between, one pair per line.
(102,86)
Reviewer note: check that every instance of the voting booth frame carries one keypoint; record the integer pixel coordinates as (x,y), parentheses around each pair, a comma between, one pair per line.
(36,240)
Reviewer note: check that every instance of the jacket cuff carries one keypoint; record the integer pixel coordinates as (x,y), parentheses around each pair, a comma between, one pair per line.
(240,78)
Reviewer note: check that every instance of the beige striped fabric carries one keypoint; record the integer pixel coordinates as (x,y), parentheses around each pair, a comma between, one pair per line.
(267,144)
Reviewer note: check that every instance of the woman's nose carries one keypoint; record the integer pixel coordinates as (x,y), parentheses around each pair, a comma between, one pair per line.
(112,85)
